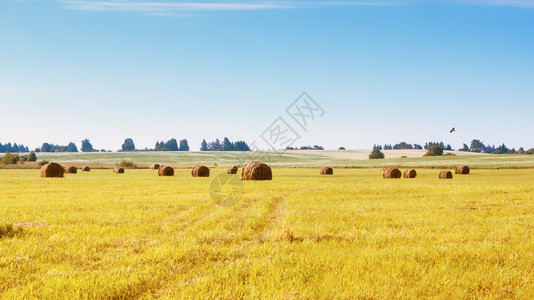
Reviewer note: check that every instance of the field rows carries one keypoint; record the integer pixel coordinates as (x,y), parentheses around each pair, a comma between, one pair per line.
(136,235)
(348,158)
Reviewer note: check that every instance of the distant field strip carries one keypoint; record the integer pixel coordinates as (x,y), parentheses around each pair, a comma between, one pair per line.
(347,158)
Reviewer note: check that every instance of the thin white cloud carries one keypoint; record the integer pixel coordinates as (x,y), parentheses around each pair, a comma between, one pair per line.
(170,14)
(166,7)
(170,8)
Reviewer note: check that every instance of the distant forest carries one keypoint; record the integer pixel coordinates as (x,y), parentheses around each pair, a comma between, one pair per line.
(406,146)
(225,145)
(475,146)
(129,145)
(13,148)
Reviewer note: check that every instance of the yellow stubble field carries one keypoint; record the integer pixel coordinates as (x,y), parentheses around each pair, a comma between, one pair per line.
(351,235)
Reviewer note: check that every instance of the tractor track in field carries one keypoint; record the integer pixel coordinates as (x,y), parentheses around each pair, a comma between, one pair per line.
(275,210)
(261,234)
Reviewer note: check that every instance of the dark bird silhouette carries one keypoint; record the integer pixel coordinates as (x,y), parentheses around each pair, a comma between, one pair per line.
(453,130)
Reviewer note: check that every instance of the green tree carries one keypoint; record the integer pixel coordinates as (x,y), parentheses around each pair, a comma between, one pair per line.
(87,146)
(72,147)
(216,146)
(241,146)
(171,145)
(204,145)
(128,145)
(9,158)
(46,147)
(465,148)
(227,145)
(434,151)
(477,146)
(32,156)
(159,146)
(184,146)
(376,154)
(502,149)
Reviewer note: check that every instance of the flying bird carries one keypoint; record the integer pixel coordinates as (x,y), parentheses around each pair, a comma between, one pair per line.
(453,130)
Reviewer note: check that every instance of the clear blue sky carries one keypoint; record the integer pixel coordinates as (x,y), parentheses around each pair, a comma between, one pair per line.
(384,72)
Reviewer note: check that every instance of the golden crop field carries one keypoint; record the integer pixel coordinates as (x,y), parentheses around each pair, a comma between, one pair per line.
(102,235)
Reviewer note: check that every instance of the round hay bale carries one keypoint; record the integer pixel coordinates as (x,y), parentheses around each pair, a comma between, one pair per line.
(256,170)
(391,172)
(232,170)
(118,170)
(52,170)
(410,173)
(86,169)
(200,171)
(155,167)
(445,175)
(386,171)
(71,170)
(462,170)
(165,171)
(327,171)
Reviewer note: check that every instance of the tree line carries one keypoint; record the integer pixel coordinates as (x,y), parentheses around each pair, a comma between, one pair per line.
(13,148)
(475,146)
(480,147)
(129,145)
(12,158)
(406,146)
(172,145)
(183,145)
(225,145)
(86,146)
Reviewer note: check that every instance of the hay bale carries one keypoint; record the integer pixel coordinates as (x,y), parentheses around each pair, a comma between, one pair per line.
(445,175)
(232,170)
(165,171)
(391,172)
(462,170)
(386,172)
(256,170)
(200,171)
(71,170)
(410,173)
(86,169)
(327,171)
(155,167)
(52,170)
(118,170)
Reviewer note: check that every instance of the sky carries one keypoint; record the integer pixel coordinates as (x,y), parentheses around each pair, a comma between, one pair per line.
(380,71)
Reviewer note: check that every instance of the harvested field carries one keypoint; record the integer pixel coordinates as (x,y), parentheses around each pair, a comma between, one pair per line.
(140,235)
